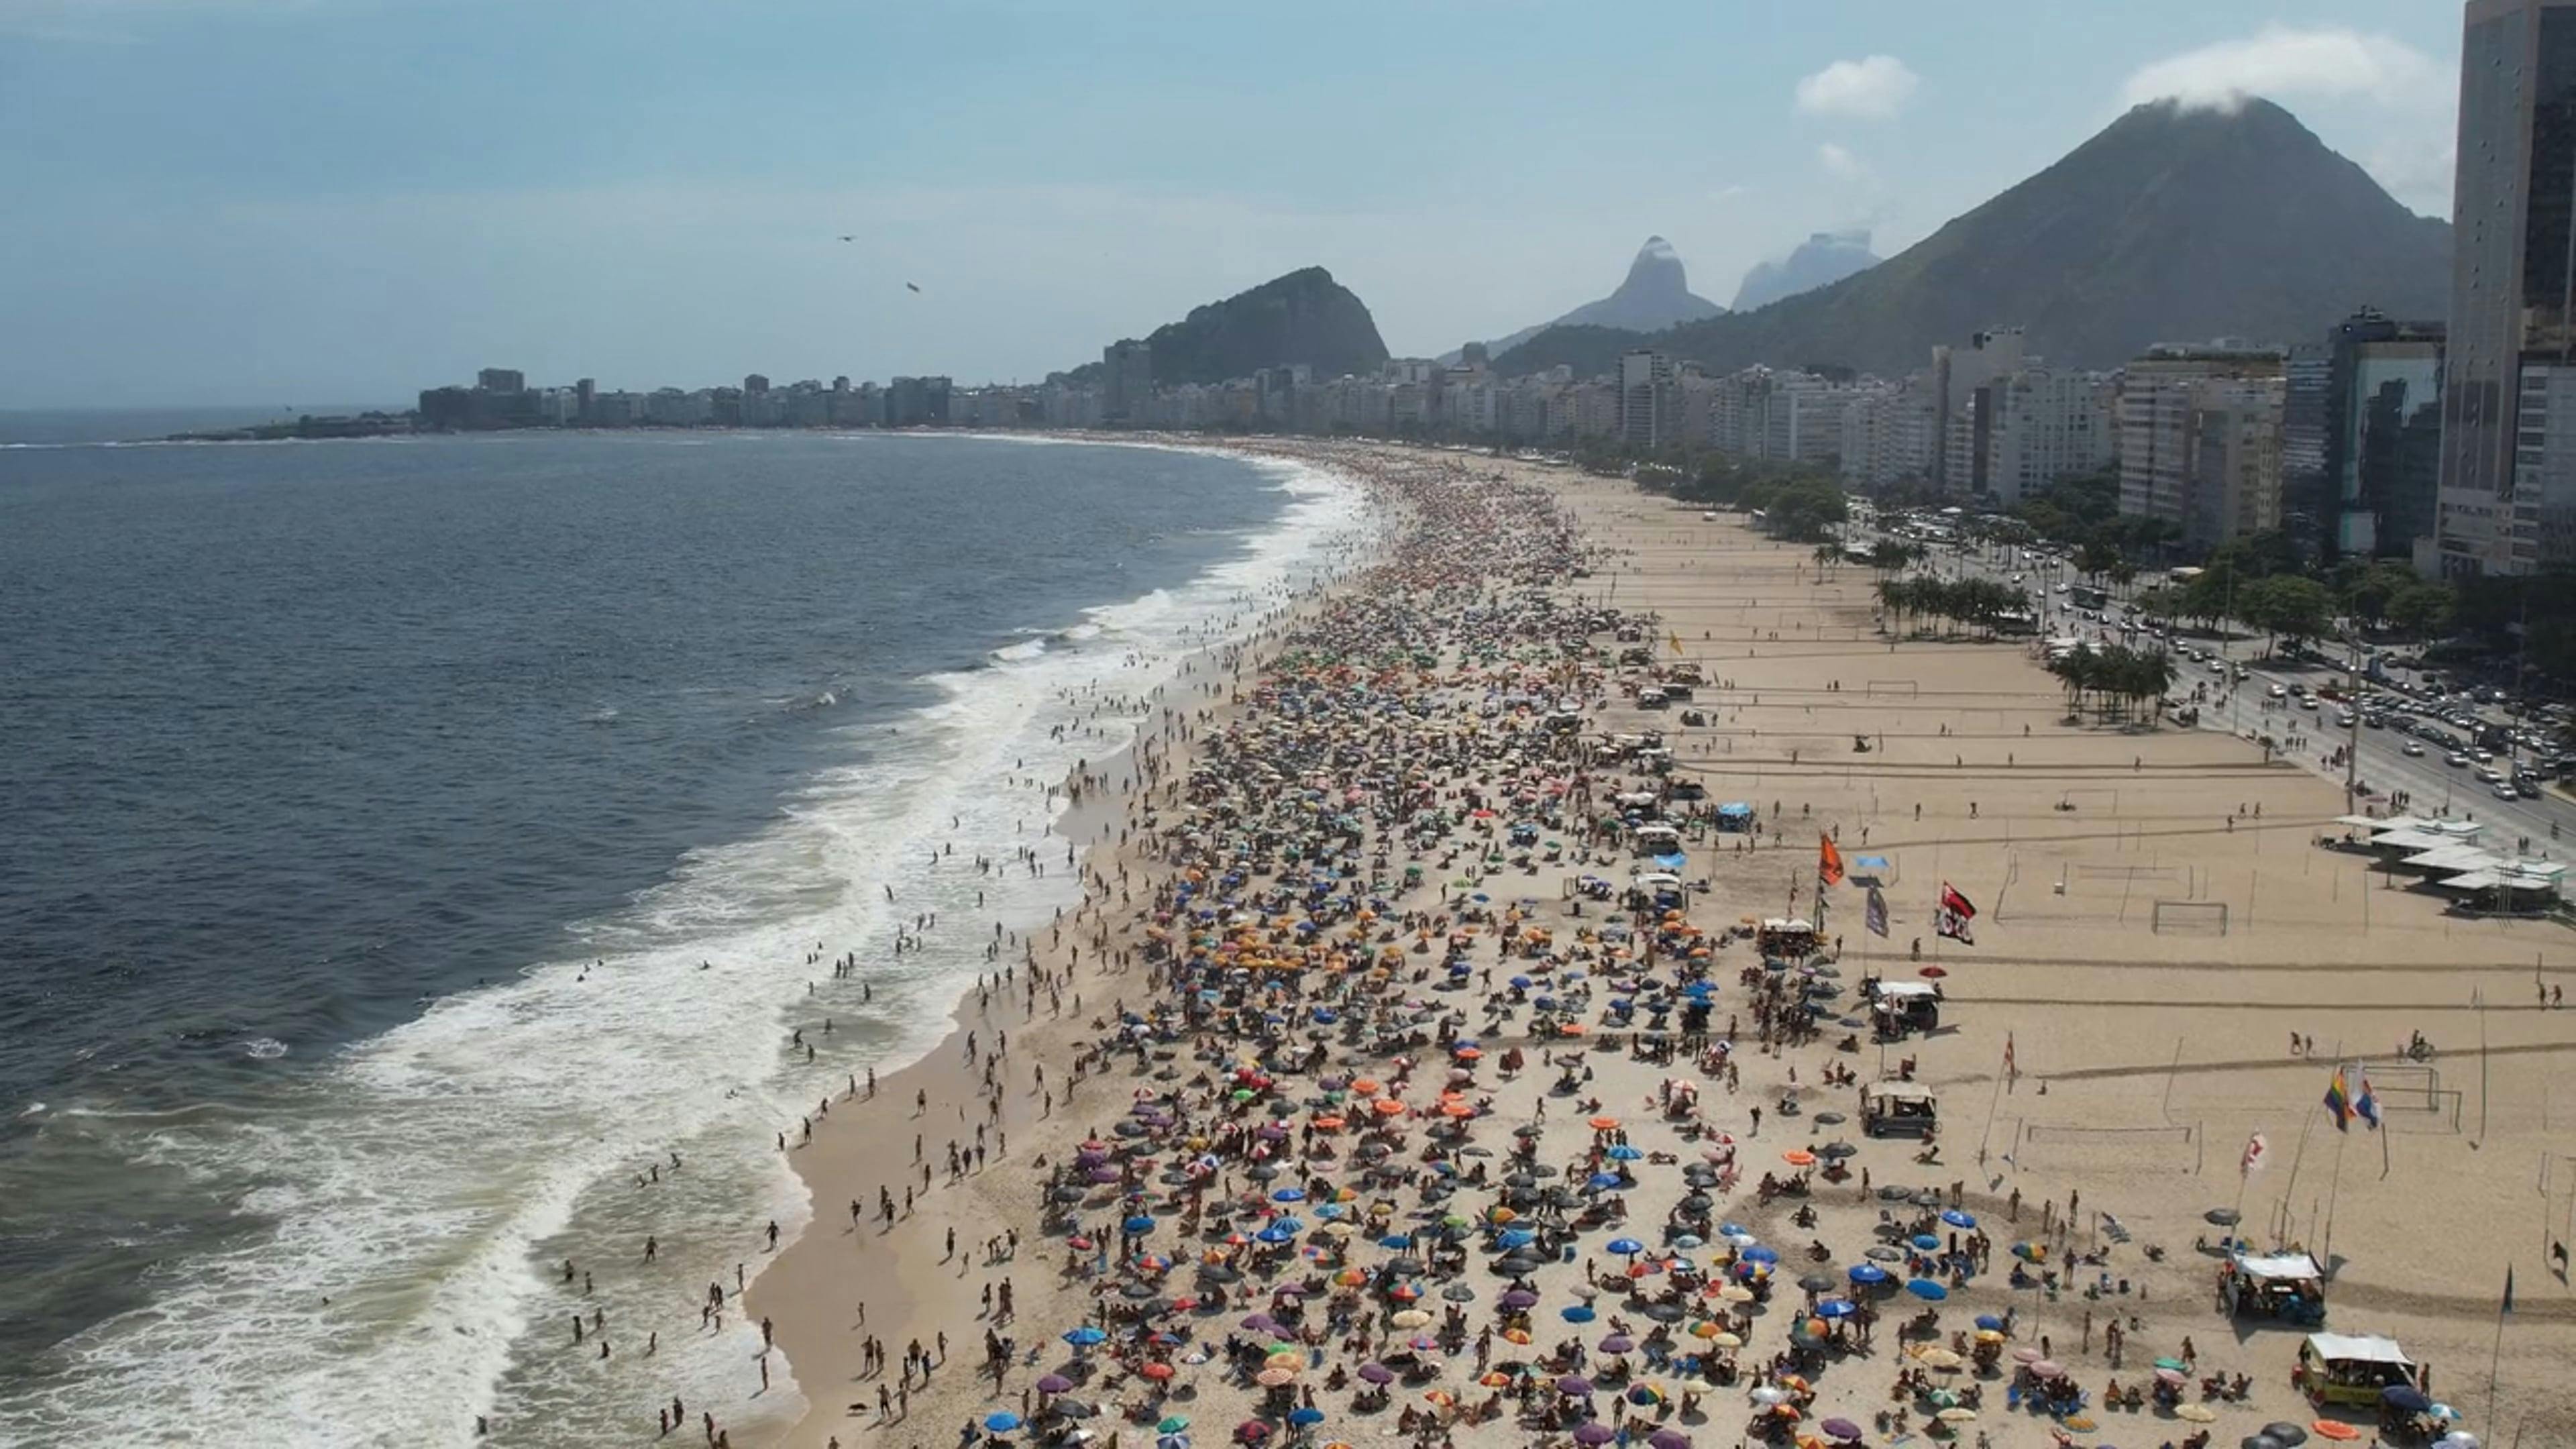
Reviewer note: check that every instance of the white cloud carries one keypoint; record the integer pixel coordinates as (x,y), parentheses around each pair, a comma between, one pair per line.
(2282,64)
(1873,88)
(1840,163)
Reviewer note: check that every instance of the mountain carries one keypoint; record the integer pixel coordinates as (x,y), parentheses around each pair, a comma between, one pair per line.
(1304,316)
(1820,261)
(1655,295)
(2173,224)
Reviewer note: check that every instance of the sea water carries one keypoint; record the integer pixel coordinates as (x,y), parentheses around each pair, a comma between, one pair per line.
(413,843)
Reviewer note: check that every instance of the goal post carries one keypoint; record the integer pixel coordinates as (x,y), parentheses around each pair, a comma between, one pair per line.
(2190,918)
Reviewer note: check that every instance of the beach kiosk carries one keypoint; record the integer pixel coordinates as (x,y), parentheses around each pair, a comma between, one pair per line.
(2352,1368)
(1656,839)
(1735,816)
(1898,1109)
(1901,1008)
(2286,1287)
(1786,939)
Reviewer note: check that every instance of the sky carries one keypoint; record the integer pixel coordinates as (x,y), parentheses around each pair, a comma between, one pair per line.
(284,202)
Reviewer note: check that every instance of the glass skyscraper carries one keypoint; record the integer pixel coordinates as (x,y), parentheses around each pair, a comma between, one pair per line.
(2506,498)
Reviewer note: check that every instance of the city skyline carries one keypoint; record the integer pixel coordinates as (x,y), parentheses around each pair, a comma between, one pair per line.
(647,193)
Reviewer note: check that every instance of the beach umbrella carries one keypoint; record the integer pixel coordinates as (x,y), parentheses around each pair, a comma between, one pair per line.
(1304,1417)
(1760,1254)
(1624,1153)
(1002,1423)
(1618,1343)
(1668,1439)
(1833,1308)
(1376,1373)
(2223,1217)
(1867,1274)
(1626,1247)
(1723,1339)
(1289,1194)
(1519,1298)
(1957,1414)
(1139,1224)
(1817,1282)
(1957,1219)
(1172,1424)
(1574,1386)
(1084,1336)
(1843,1429)
(1990,1322)
(1173,1441)
(1411,1318)
(1158,1371)
(1271,1378)
(1662,1312)
(2405,1398)
(1054,1384)
(1579,1313)
(1927,1242)
(1592,1433)
(2286,1433)
(2196,1413)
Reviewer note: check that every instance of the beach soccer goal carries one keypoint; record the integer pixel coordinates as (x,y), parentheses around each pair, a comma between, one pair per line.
(1892,689)
(2190,918)
(2065,1144)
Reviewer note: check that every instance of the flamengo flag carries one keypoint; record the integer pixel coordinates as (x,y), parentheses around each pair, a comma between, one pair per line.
(1875,914)
(2256,1149)
(2365,1104)
(1829,861)
(1953,917)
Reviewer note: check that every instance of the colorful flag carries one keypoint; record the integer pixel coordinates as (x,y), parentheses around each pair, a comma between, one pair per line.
(2339,1102)
(1953,917)
(2365,1103)
(1875,914)
(1829,861)
(2256,1150)
(1675,639)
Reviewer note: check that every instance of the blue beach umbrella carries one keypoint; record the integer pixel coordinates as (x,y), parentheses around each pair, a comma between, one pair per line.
(1138,1224)
(1760,1254)
(1276,1234)
(1002,1423)
(1303,1417)
(1397,1241)
(1085,1336)
(1578,1313)
(1626,1247)
(1601,1180)
(1625,1153)
(1927,1290)
(1927,1242)
(1957,1219)
(1867,1274)
(1837,1308)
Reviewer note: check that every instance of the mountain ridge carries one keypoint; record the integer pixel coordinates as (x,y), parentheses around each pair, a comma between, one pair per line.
(2171,224)
(1655,294)
(1824,258)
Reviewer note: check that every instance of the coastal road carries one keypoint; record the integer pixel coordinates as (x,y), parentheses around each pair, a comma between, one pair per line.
(2384,766)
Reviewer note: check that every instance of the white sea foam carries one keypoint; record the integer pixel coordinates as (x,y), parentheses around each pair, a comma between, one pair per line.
(420,1184)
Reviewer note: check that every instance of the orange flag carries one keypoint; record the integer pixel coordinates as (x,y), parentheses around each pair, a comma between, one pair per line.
(1829,861)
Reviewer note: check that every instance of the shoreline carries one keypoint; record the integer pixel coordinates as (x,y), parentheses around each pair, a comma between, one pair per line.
(839,1156)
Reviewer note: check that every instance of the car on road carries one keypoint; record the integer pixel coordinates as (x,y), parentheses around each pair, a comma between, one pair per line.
(2307,701)
(2505,792)
(2278,692)
(2414,749)
(2456,760)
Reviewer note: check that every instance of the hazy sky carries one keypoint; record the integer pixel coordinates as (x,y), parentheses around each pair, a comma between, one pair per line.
(281,201)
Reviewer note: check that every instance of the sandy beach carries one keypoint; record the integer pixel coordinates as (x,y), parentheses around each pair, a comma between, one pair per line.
(1546,1154)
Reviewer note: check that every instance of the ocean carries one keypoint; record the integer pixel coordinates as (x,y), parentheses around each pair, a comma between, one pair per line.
(410,843)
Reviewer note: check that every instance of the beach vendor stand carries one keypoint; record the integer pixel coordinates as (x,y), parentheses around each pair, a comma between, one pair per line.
(2352,1368)
(1898,1109)
(1735,816)
(2287,1287)
(1789,939)
(1902,1008)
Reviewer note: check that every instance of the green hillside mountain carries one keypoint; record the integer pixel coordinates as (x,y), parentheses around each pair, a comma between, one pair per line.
(2172,224)
(1303,317)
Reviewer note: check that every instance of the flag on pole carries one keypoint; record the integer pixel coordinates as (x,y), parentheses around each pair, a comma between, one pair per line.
(1675,639)
(1829,861)
(1875,913)
(2339,1102)
(2365,1103)
(2012,1073)
(2508,1291)
(1953,917)
(2256,1150)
